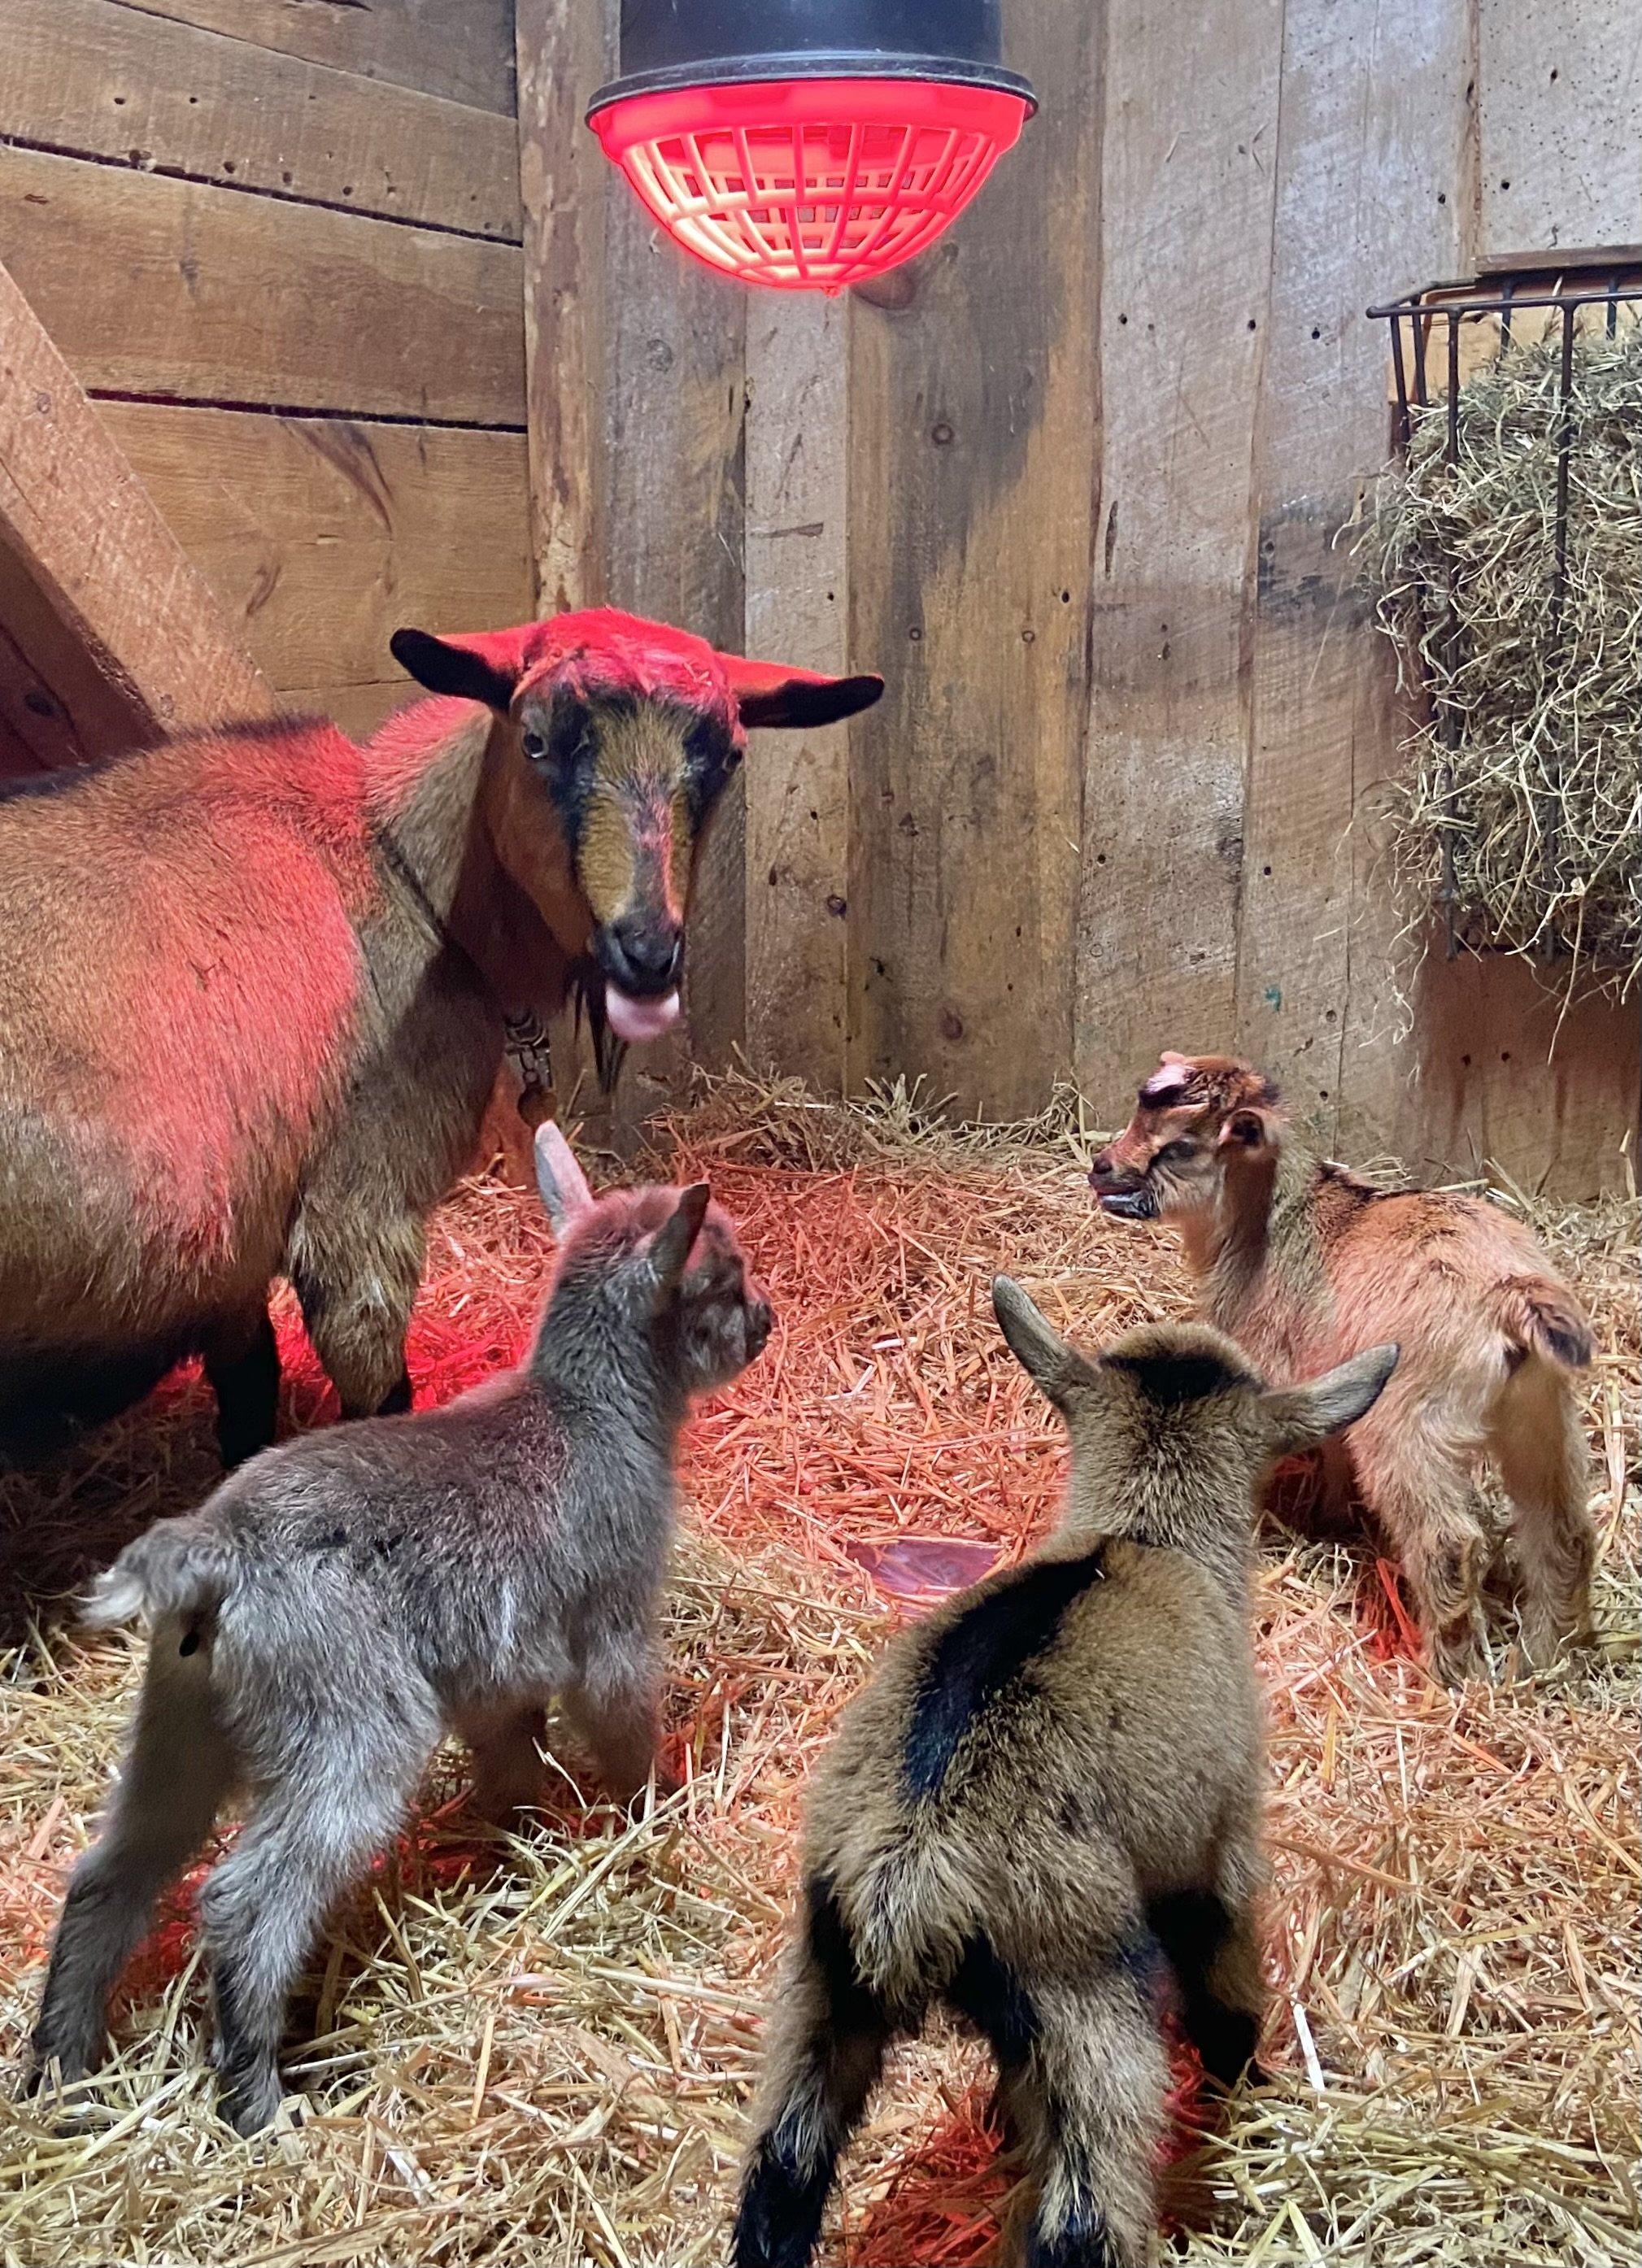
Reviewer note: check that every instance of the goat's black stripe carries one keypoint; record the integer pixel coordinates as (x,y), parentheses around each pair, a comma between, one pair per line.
(982,1652)
(1171,1381)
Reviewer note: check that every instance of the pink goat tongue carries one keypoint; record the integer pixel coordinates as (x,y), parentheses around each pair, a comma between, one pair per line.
(638,1020)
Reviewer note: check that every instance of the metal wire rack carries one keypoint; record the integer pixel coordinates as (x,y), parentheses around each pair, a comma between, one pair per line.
(1602,282)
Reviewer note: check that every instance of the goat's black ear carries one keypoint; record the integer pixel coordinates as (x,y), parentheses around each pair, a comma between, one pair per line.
(485,668)
(768,694)
(671,1249)
(1249,1130)
(1301,1416)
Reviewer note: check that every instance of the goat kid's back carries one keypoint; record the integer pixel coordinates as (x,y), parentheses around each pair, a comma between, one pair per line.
(1048,1800)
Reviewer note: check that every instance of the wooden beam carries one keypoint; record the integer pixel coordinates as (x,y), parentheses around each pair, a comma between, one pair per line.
(87,78)
(77,518)
(565,49)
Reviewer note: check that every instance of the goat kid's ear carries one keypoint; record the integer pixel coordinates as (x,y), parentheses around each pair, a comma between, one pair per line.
(1249,1131)
(1302,1416)
(486,666)
(768,693)
(559,1178)
(671,1249)
(1040,1349)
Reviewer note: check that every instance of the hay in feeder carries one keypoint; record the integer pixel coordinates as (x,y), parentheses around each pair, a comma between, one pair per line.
(1526,820)
(540,2050)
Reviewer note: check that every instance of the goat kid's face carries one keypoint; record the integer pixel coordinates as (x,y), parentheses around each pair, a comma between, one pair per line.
(618,736)
(668,1260)
(1183,1397)
(1195,1118)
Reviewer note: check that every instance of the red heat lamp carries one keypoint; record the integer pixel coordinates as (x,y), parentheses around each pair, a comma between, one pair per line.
(808,143)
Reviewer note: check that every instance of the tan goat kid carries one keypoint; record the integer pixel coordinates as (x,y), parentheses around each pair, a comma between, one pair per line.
(1304,1262)
(1048,1800)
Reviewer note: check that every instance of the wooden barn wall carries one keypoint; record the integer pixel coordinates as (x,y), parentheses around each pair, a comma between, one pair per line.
(280,246)
(1077,485)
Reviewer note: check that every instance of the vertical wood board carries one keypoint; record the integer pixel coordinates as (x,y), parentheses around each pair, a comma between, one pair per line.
(564,49)
(798,783)
(973,411)
(1187,184)
(1373,125)
(1561,89)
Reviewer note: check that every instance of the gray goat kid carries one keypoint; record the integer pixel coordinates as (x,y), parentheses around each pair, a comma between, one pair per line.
(342,1601)
(1047,1798)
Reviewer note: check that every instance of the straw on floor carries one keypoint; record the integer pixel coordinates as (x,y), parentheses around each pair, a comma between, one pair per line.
(539,2050)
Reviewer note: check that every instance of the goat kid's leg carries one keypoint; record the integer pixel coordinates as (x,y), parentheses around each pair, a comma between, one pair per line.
(508,1773)
(356,1291)
(826,2050)
(179,1769)
(1213,1947)
(1415,1475)
(263,1906)
(1537,1440)
(1092,2114)
(614,1708)
(242,1368)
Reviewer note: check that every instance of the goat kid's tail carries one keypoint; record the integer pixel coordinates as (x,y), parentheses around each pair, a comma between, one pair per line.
(1542,1317)
(180,1567)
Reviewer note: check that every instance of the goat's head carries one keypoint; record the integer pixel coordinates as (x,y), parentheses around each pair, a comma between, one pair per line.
(617,738)
(1178,1411)
(660,1264)
(1194,1117)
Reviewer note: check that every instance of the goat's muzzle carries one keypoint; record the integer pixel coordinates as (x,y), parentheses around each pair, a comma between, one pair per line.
(640,960)
(1120,1191)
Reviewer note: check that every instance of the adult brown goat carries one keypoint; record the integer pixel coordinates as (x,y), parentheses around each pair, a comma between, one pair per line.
(253,985)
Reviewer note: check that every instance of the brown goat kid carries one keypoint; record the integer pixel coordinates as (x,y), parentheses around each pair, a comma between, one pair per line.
(252,986)
(1049,1799)
(1303,1263)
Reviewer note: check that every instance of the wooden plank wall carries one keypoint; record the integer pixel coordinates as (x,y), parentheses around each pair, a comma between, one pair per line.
(280,246)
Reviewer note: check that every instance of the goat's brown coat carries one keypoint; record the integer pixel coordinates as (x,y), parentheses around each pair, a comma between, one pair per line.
(1030,1855)
(252,990)
(1303,1263)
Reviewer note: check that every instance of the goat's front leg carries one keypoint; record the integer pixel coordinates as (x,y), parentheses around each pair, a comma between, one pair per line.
(508,1772)
(357,1283)
(614,1707)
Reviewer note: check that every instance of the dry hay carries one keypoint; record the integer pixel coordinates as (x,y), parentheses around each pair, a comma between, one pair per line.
(1540,803)
(539,2050)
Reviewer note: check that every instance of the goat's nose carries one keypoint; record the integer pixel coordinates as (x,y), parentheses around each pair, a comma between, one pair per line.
(1103,1170)
(648,951)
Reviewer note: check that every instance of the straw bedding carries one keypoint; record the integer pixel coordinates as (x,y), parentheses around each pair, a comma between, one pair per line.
(538,2049)
(1539,804)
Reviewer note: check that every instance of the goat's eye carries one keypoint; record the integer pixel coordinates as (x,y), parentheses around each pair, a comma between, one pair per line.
(1175,1154)
(535,745)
